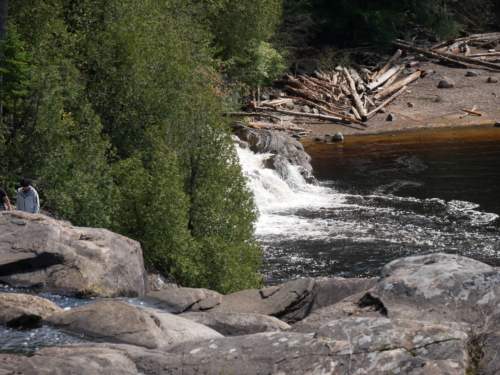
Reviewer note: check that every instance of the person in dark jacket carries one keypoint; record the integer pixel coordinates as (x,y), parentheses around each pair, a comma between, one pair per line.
(27,198)
(4,201)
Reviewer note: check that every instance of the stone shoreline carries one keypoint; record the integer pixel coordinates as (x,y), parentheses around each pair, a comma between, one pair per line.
(431,314)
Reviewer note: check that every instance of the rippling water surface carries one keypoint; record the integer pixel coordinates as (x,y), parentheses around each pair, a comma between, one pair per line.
(380,198)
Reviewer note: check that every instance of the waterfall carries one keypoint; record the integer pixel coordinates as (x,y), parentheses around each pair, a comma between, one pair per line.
(309,229)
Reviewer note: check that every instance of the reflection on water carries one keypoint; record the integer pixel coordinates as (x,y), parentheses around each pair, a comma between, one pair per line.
(382,198)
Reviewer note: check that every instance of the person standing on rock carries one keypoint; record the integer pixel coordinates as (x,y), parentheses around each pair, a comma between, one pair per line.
(27,198)
(4,201)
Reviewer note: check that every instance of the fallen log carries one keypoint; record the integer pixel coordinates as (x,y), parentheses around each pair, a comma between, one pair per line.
(444,55)
(467,114)
(472,112)
(316,104)
(398,85)
(272,103)
(391,80)
(489,42)
(430,53)
(389,63)
(355,96)
(355,113)
(337,117)
(299,114)
(485,54)
(380,80)
(387,101)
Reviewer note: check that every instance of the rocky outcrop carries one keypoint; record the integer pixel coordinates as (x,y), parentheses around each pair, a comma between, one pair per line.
(228,324)
(274,301)
(178,300)
(357,305)
(350,346)
(40,252)
(437,287)
(286,150)
(18,310)
(120,322)
(326,292)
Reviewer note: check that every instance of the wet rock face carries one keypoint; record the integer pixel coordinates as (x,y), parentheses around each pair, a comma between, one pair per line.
(21,310)
(437,287)
(120,322)
(40,252)
(287,149)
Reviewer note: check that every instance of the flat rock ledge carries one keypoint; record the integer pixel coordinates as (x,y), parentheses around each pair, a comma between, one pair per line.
(50,255)
(433,314)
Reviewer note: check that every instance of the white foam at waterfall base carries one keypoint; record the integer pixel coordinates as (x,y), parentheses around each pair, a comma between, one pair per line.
(272,193)
(295,210)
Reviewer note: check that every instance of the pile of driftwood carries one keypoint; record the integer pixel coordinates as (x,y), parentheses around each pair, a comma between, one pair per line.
(344,95)
(348,95)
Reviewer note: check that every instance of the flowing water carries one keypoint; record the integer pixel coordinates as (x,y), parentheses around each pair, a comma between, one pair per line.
(380,198)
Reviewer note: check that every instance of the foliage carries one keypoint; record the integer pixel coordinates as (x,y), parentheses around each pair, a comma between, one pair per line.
(121,127)
(381,21)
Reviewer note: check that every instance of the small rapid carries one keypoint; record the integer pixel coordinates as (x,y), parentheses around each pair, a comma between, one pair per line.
(318,230)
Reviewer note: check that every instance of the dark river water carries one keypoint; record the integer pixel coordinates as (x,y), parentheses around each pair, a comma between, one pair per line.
(384,197)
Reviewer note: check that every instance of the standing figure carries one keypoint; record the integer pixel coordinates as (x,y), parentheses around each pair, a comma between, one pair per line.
(27,198)
(4,201)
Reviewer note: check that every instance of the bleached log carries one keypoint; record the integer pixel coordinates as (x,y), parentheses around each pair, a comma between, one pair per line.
(355,96)
(387,101)
(398,85)
(355,113)
(388,64)
(391,80)
(384,77)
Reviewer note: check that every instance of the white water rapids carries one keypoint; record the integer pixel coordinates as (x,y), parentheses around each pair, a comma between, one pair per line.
(310,230)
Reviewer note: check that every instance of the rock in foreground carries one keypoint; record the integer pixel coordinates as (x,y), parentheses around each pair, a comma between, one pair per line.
(18,310)
(40,252)
(120,322)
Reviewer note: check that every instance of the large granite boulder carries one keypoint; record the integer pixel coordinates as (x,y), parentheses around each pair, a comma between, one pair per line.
(120,322)
(437,287)
(350,346)
(229,324)
(40,252)
(177,300)
(274,301)
(24,310)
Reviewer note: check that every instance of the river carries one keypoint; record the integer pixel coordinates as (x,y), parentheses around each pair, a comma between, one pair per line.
(380,197)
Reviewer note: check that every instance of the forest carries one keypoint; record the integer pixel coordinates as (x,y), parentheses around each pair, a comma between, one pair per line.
(114,109)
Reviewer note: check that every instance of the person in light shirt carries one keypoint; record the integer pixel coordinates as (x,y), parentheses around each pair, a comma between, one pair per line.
(27,198)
